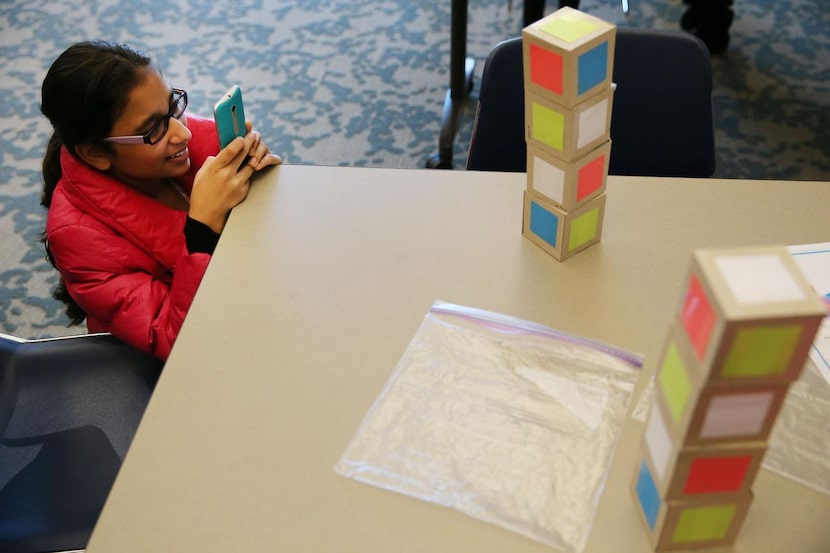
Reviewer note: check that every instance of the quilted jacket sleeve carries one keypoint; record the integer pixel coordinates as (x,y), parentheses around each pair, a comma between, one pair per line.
(118,293)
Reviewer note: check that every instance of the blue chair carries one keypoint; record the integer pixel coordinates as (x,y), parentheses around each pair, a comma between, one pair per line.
(662,117)
(69,408)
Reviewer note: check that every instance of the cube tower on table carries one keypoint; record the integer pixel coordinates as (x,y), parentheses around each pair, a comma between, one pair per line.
(568,60)
(740,336)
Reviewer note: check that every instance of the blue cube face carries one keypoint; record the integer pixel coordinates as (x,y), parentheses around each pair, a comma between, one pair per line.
(592,68)
(648,495)
(544,224)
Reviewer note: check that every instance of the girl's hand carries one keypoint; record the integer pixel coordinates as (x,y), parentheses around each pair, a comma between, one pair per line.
(260,156)
(223,182)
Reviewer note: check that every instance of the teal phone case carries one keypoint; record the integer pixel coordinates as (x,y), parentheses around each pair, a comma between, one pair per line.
(229,114)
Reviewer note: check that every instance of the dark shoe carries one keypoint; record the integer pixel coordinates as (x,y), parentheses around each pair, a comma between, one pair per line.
(716,44)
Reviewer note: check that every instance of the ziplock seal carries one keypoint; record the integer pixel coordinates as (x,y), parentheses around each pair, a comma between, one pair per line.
(529,327)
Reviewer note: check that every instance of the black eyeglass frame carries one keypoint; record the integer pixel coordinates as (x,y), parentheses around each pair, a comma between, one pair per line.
(178,105)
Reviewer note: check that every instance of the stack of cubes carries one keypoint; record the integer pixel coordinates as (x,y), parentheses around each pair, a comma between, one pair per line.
(740,336)
(568,60)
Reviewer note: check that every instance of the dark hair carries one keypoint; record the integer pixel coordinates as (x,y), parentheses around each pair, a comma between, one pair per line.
(85,91)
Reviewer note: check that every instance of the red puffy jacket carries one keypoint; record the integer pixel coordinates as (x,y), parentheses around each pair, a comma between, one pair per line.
(122,254)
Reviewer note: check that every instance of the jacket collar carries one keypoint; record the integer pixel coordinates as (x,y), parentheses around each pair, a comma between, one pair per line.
(152,226)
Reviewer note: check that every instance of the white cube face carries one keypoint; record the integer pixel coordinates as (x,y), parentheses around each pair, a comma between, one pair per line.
(658,442)
(592,123)
(548,180)
(736,415)
(759,279)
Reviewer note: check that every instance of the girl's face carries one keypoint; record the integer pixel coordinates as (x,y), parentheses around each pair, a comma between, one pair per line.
(145,166)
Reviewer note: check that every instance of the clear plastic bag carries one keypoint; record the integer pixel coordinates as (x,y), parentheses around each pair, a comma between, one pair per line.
(505,420)
(799,446)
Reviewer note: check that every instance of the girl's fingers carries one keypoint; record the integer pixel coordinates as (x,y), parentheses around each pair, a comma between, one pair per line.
(245,172)
(268,160)
(231,151)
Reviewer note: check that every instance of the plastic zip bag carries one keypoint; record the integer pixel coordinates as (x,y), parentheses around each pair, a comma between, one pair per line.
(508,421)
(799,447)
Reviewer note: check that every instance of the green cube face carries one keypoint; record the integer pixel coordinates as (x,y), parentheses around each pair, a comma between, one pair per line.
(583,229)
(674,382)
(549,126)
(761,351)
(703,524)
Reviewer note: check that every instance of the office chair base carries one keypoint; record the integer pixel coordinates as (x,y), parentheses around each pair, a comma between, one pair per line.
(437,161)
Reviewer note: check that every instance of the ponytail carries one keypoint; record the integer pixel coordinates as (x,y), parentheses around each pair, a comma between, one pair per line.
(51,175)
(51,170)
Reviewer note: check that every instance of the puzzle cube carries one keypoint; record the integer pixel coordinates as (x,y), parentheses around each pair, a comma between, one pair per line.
(568,132)
(698,413)
(562,233)
(682,525)
(748,315)
(568,56)
(568,184)
(683,472)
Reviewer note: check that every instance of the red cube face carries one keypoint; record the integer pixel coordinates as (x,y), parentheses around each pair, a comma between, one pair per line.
(698,317)
(590,178)
(717,474)
(546,69)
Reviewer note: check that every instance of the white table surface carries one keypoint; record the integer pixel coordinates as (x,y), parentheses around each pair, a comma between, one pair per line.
(319,282)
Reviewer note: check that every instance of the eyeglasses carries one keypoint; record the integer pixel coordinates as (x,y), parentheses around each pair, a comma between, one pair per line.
(178,103)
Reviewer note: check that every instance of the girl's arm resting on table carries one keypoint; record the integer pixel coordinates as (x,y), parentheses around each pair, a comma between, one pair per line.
(136,306)
(199,237)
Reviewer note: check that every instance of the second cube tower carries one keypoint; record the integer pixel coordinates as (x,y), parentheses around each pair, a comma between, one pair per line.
(568,61)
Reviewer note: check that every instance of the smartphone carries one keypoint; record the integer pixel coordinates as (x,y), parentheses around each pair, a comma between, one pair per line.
(229,114)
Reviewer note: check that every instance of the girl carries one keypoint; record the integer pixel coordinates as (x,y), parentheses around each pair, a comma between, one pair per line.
(137,193)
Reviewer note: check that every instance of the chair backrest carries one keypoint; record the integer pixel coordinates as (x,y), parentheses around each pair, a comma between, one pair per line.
(661,123)
(69,408)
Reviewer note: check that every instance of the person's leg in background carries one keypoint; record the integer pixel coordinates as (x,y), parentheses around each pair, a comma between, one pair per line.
(535,9)
(709,20)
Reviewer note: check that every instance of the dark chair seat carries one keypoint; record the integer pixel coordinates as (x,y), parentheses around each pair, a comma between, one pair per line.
(661,122)
(69,408)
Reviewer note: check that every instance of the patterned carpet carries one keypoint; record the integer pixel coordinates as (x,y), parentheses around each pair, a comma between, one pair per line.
(362,82)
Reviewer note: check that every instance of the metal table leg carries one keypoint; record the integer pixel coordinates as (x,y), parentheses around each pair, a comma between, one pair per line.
(461,83)
(461,77)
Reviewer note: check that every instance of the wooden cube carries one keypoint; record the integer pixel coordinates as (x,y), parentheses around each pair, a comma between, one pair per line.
(695,472)
(568,184)
(749,315)
(562,233)
(568,132)
(568,56)
(699,413)
(682,525)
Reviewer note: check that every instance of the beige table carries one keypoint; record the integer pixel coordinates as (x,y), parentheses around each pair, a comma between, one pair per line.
(318,284)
